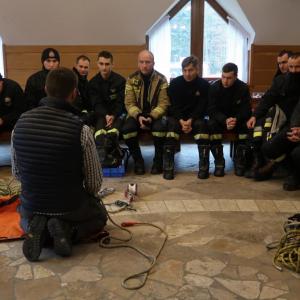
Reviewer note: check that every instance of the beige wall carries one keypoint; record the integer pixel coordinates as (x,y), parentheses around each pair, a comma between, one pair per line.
(79,22)
(22,61)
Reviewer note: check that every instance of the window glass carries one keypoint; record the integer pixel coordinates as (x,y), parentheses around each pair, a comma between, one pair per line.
(214,45)
(180,38)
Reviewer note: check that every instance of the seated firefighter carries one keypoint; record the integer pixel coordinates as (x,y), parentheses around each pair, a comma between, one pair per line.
(229,109)
(146,102)
(54,157)
(35,85)
(278,104)
(106,92)
(12,103)
(82,103)
(189,98)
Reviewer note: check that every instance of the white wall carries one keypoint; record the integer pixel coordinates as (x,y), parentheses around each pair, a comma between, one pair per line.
(274,21)
(1,58)
(125,22)
(78,22)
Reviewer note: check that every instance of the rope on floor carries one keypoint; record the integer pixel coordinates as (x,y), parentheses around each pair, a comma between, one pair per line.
(288,248)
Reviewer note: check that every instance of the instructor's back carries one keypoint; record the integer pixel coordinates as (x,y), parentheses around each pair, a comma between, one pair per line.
(54,157)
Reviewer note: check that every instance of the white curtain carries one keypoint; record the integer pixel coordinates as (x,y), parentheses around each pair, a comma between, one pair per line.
(1,58)
(237,47)
(160,45)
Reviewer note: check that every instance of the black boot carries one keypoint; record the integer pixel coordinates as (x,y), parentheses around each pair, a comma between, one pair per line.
(135,151)
(240,160)
(217,151)
(157,167)
(291,183)
(100,146)
(168,163)
(257,162)
(265,172)
(203,172)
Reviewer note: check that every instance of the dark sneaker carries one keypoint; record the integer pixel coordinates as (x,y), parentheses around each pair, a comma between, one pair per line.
(35,238)
(265,172)
(60,231)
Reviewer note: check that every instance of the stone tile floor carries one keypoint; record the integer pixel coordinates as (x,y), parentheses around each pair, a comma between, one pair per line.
(218,229)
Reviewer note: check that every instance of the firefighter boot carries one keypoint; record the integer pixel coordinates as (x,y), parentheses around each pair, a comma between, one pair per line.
(217,151)
(135,151)
(101,148)
(266,171)
(240,160)
(157,166)
(203,172)
(168,163)
(258,161)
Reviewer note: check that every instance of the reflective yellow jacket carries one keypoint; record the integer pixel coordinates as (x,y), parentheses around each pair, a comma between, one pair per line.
(157,95)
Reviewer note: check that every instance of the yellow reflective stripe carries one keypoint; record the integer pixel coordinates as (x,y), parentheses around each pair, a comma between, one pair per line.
(113,130)
(218,136)
(280,158)
(128,87)
(257,134)
(243,136)
(172,135)
(101,131)
(164,86)
(84,111)
(202,136)
(268,124)
(159,110)
(130,135)
(158,133)
(134,110)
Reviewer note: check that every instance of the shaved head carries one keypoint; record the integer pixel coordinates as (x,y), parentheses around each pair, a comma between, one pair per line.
(146,62)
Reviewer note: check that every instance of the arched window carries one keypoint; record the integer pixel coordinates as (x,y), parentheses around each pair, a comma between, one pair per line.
(1,58)
(202,28)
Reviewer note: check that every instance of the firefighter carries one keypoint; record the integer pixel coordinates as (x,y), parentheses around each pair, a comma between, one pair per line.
(229,109)
(283,96)
(106,93)
(35,85)
(146,102)
(12,103)
(82,103)
(189,98)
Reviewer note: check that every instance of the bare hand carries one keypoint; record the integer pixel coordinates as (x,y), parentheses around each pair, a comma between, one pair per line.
(294,135)
(230,123)
(251,122)
(109,120)
(142,120)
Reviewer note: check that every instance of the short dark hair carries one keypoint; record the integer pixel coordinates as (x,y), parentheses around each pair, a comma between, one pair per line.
(106,54)
(230,67)
(295,55)
(190,60)
(283,52)
(60,83)
(82,57)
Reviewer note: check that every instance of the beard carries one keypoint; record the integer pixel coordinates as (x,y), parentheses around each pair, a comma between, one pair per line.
(294,83)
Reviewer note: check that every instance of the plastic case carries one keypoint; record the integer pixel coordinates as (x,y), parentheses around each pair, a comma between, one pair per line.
(114,172)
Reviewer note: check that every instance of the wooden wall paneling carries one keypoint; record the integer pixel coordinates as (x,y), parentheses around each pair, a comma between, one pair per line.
(22,61)
(263,64)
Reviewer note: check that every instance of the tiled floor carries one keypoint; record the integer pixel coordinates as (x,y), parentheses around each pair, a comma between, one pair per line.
(218,229)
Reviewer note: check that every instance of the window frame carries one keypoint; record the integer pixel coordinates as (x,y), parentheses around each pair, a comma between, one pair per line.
(197,24)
